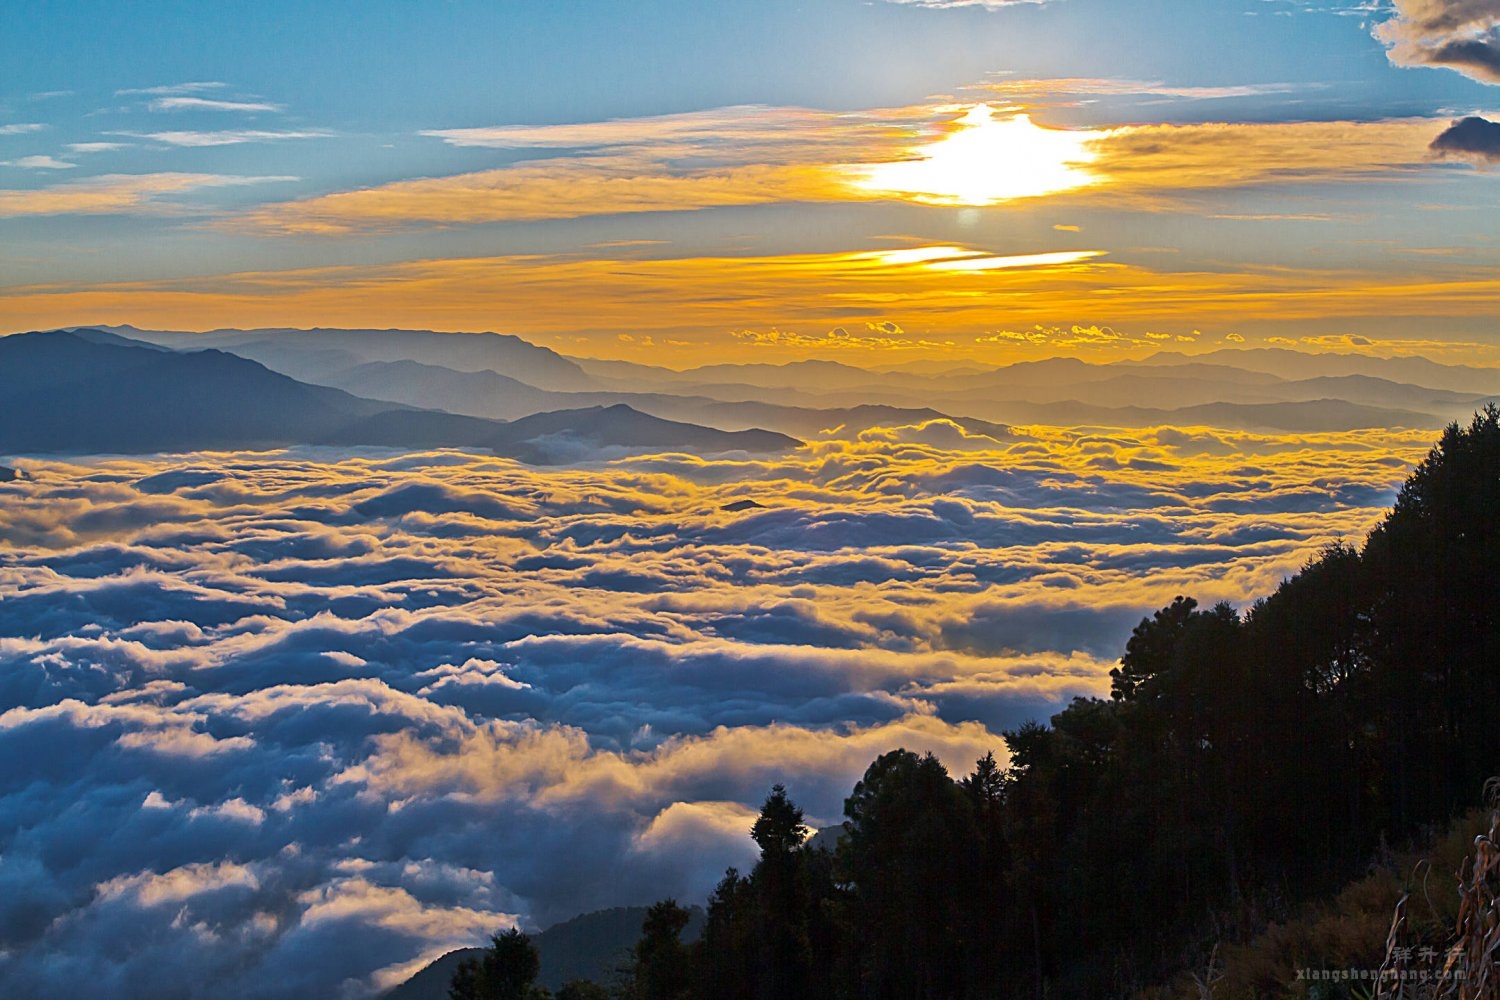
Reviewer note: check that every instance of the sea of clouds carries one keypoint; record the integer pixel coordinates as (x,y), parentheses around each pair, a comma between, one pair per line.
(291,724)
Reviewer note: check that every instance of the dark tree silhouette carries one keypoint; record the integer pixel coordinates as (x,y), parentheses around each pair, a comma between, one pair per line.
(505,972)
(1148,653)
(909,834)
(581,989)
(662,970)
(730,963)
(1437,621)
(779,830)
(1239,765)
(784,951)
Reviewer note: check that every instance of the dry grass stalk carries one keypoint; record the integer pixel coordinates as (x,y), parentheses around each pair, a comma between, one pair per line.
(1471,970)
(1212,976)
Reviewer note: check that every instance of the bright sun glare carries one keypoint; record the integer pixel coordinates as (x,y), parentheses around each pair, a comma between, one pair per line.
(986,161)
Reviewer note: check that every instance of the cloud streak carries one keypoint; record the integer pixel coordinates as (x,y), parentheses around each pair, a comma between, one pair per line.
(756,156)
(174,89)
(223,137)
(38,163)
(209,104)
(806,295)
(112,194)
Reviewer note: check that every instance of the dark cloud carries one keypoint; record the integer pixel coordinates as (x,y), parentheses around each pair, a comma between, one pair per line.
(1475,57)
(1473,138)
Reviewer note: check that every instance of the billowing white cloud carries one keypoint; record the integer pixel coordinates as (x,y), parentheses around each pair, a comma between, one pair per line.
(1462,35)
(288,724)
(96,147)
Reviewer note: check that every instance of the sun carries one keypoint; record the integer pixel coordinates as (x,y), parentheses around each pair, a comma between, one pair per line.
(986,161)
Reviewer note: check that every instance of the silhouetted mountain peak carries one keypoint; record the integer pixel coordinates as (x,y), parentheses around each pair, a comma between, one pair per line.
(92,391)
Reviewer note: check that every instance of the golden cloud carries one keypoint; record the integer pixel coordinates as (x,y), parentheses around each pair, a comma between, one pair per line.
(113,194)
(699,300)
(1157,162)
(942,154)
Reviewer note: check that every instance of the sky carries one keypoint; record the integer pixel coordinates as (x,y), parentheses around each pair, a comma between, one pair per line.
(293,723)
(673,182)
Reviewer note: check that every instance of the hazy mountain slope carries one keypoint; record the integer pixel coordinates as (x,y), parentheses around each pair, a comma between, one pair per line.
(97,336)
(1168,392)
(1304,417)
(66,392)
(1374,391)
(590,946)
(503,353)
(494,376)
(805,421)
(63,392)
(1296,365)
(813,376)
(570,435)
(302,363)
(496,396)
(479,394)
(1075,391)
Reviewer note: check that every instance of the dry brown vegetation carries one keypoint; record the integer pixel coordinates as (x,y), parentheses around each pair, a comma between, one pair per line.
(1355,930)
(1471,959)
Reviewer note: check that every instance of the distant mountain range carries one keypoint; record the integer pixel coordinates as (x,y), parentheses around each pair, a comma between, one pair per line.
(121,389)
(95,391)
(325,349)
(499,377)
(490,394)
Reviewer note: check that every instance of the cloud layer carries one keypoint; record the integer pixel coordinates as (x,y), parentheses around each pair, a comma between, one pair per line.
(950,294)
(287,725)
(742,156)
(111,194)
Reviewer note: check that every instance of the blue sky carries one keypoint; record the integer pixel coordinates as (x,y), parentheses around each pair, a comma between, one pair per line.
(143,146)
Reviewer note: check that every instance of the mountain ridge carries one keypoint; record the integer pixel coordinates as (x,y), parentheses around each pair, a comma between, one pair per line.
(65,392)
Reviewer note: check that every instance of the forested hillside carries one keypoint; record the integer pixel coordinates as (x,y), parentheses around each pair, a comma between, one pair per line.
(1242,763)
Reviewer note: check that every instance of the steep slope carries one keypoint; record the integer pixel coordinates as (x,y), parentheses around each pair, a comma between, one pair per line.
(590,946)
(70,392)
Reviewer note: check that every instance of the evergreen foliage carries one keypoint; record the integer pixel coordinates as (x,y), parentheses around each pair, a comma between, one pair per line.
(505,972)
(1264,756)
